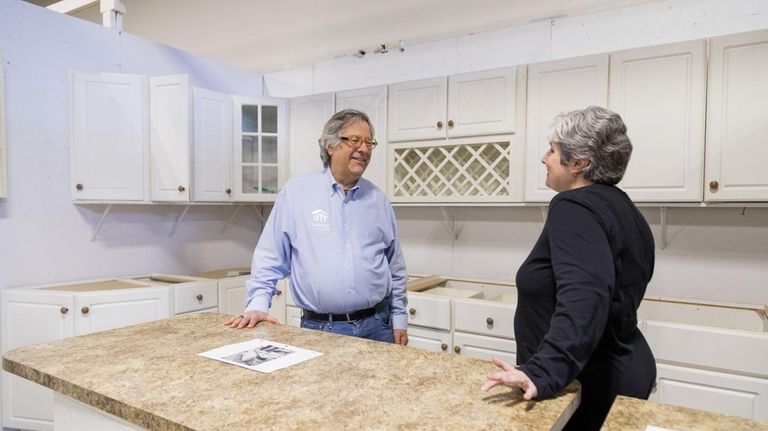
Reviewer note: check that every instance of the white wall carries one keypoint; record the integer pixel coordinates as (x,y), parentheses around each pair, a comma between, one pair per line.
(44,237)
(712,253)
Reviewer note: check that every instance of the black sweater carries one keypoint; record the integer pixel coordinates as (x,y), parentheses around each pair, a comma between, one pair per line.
(578,293)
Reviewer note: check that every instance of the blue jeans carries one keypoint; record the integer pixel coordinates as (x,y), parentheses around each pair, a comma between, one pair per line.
(377,327)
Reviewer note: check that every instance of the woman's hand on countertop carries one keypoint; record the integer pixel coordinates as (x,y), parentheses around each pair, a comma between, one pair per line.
(511,376)
(249,319)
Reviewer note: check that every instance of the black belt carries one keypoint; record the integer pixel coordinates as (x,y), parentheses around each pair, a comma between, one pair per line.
(347,317)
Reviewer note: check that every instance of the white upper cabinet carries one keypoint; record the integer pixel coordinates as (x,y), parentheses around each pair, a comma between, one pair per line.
(170,138)
(259,130)
(553,88)
(372,101)
(212,146)
(308,116)
(737,130)
(659,92)
(478,103)
(110,139)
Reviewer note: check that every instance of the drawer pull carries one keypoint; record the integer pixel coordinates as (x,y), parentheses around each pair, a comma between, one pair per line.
(457,349)
(412,311)
(85,310)
(489,321)
(79,186)
(450,124)
(444,347)
(200,297)
(228,191)
(714,185)
(439,124)
(278,292)
(182,188)
(64,310)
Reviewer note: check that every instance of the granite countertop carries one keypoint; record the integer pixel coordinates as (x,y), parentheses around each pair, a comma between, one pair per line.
(150,375)
(628,414)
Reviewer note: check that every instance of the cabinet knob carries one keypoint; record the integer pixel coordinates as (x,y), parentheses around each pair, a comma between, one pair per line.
(228,191)
(714,185)
(79,186)
(412,311)
(278,292)
(444,347)
(200,297)
(182,188)
(64,310)
(85,310)
(439,124)
(457,349)
(489,321)
(450,123)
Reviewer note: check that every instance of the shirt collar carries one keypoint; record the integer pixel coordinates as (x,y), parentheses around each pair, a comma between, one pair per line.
(336,187)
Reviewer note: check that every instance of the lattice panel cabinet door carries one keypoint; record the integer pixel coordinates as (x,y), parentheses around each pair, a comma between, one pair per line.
(479,169)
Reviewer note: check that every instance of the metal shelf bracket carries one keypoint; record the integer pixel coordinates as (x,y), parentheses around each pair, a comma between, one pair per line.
(178,220)
(96,229)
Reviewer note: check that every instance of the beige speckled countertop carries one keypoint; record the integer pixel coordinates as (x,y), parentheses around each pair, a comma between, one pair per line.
(629,414)
(150,375)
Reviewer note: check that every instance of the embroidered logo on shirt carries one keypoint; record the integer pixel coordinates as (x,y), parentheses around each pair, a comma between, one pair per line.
(320,221)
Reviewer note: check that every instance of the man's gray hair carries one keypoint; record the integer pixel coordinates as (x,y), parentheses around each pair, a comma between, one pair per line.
(597,135)
(331,137)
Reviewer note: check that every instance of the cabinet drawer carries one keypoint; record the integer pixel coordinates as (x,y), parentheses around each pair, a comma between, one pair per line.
(743,352)
(722,393)
(429,311)
(478,346)
(193,296)
(485,317)
(430,339)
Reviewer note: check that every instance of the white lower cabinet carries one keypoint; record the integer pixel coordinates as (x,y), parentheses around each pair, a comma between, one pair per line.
(233,293)
(40,314)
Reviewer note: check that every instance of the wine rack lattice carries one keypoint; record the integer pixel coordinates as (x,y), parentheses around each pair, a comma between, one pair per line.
(456,171)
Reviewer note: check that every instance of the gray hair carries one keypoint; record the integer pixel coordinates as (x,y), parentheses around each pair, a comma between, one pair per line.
(597,135)
(331,137)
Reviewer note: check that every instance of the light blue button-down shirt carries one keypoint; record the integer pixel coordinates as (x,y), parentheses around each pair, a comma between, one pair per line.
(341,252)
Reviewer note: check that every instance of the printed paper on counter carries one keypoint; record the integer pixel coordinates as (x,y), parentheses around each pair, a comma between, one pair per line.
(259,355)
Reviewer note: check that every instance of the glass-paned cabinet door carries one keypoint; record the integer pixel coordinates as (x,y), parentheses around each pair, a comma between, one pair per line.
(259,148)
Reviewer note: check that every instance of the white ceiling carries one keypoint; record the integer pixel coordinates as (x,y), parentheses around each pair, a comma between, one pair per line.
(269,35)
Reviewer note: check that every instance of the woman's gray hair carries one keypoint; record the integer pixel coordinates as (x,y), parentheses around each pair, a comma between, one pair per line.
(331,137)
(597,135)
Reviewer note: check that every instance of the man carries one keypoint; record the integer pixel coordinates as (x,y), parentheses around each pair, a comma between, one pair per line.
(334,233)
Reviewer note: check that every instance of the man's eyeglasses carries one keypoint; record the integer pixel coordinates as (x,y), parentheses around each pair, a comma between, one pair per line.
(355,142)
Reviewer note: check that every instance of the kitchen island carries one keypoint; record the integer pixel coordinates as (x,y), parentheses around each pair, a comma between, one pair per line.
(151,375)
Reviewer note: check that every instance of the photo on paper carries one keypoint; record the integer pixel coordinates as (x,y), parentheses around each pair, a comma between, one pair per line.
(261,355)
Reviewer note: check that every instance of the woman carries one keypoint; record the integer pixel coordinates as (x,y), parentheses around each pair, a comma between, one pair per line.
(579,289)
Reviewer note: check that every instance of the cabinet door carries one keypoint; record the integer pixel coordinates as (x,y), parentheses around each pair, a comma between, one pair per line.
(110,141)
(213,146)
(31,317)
(476,346)
(169,138)
(660,94)
(417,110)
(481,103)
(722,393)
(737,130)
(258,148)
(232,295)
(293,316)
(308,116)
(556,87)
(102,310)
(430,339)
(372,101)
